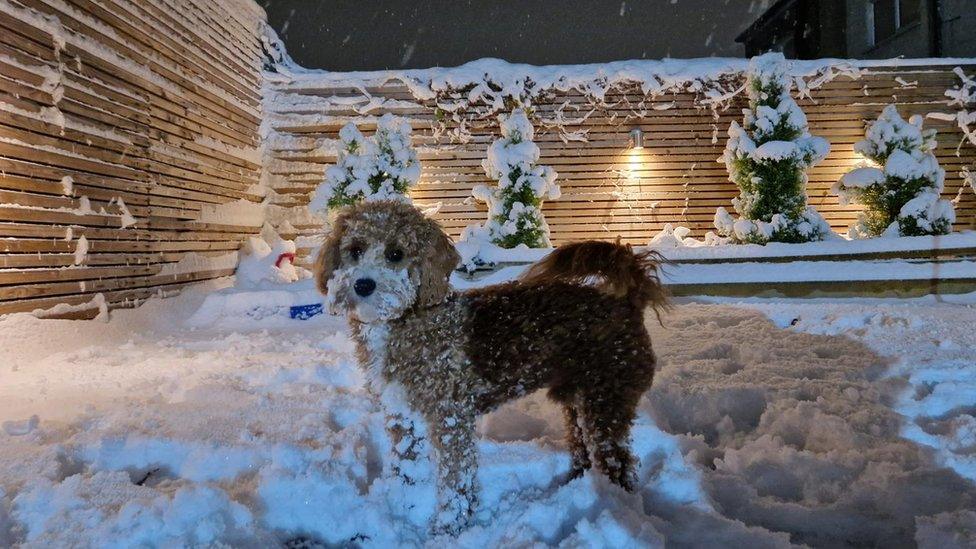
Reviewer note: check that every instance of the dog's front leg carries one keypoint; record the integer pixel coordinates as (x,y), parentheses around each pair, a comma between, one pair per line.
(409,445)
(452,435)
(408,435)
(408,480)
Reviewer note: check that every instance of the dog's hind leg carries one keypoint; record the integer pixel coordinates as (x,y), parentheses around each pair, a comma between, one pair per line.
(575,440)
(607,419)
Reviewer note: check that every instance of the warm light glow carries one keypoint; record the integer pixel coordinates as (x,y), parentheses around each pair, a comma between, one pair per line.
(635,160)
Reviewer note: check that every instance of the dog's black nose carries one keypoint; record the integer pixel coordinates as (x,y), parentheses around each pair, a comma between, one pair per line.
(364,286)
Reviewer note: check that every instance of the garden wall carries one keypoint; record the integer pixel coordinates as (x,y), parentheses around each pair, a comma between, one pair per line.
(140,141)
(128,139)
(583,117)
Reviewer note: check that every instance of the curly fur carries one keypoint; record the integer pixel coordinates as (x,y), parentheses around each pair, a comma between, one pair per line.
(573,324)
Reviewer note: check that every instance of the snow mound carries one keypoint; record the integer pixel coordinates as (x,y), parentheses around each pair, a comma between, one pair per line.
(266,261)
(672,237)
(247,307)
(106,509)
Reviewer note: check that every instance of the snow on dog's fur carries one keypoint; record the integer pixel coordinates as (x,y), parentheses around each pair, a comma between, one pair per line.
(452,357)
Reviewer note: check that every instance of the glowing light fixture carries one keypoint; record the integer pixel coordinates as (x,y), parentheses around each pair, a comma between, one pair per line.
(636,138)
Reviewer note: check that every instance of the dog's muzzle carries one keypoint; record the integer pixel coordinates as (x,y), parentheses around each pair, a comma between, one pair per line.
(369,293)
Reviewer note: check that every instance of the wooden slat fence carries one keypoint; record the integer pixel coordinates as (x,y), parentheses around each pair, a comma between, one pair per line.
(131,160)
(609,190)
(154,105)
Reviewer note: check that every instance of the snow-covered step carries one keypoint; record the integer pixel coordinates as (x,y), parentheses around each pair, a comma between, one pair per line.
(823,278)
(818,271)
(961,244)
(764,277)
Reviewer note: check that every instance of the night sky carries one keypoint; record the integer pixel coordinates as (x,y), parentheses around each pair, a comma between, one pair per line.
(379,34)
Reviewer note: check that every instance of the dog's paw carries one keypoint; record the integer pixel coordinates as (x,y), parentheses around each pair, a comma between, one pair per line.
(448,524)
(575,473)
(453,515)
(627,480)
(446,529)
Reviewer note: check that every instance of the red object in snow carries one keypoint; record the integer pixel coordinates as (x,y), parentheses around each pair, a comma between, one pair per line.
(287,255)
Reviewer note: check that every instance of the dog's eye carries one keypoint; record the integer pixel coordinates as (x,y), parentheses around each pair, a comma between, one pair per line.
(394,255)
(355,252)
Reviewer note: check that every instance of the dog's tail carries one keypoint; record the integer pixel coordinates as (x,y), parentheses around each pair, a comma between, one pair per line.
(612,267)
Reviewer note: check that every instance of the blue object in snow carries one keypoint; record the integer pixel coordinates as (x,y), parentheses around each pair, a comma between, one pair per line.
(305,312)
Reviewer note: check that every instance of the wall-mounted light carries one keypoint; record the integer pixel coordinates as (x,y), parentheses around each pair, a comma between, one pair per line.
(636,138)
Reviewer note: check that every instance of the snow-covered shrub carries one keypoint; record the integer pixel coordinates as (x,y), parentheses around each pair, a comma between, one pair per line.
(767,157)
(514,214)
(382,167)
(473,247)
(902,197)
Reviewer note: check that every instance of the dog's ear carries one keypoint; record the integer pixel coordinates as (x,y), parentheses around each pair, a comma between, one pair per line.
(435,270)
(327,260)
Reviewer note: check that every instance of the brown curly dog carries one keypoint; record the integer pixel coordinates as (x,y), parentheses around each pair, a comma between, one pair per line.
(573,323)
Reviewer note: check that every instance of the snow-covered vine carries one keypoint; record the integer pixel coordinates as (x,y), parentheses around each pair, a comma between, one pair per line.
(968,180)
(470,97)
(964,97)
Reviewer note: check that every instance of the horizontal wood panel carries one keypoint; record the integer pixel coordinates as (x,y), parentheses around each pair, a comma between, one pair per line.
(152,105)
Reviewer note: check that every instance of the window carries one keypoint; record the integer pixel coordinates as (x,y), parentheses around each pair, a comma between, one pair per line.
(886,17)
(907,12)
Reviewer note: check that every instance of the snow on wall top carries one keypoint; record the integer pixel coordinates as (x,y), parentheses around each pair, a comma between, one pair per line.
(480,89)
(511,77)
(491,80)
(488,86)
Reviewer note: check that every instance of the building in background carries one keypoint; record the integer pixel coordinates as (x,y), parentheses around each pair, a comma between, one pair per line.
(348,35)
(864,29)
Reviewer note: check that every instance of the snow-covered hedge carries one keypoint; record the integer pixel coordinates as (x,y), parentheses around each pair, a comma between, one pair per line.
(382,167)
(767,158)
(514,214)
(902,191)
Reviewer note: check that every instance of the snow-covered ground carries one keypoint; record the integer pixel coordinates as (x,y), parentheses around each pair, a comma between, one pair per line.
(771,422)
